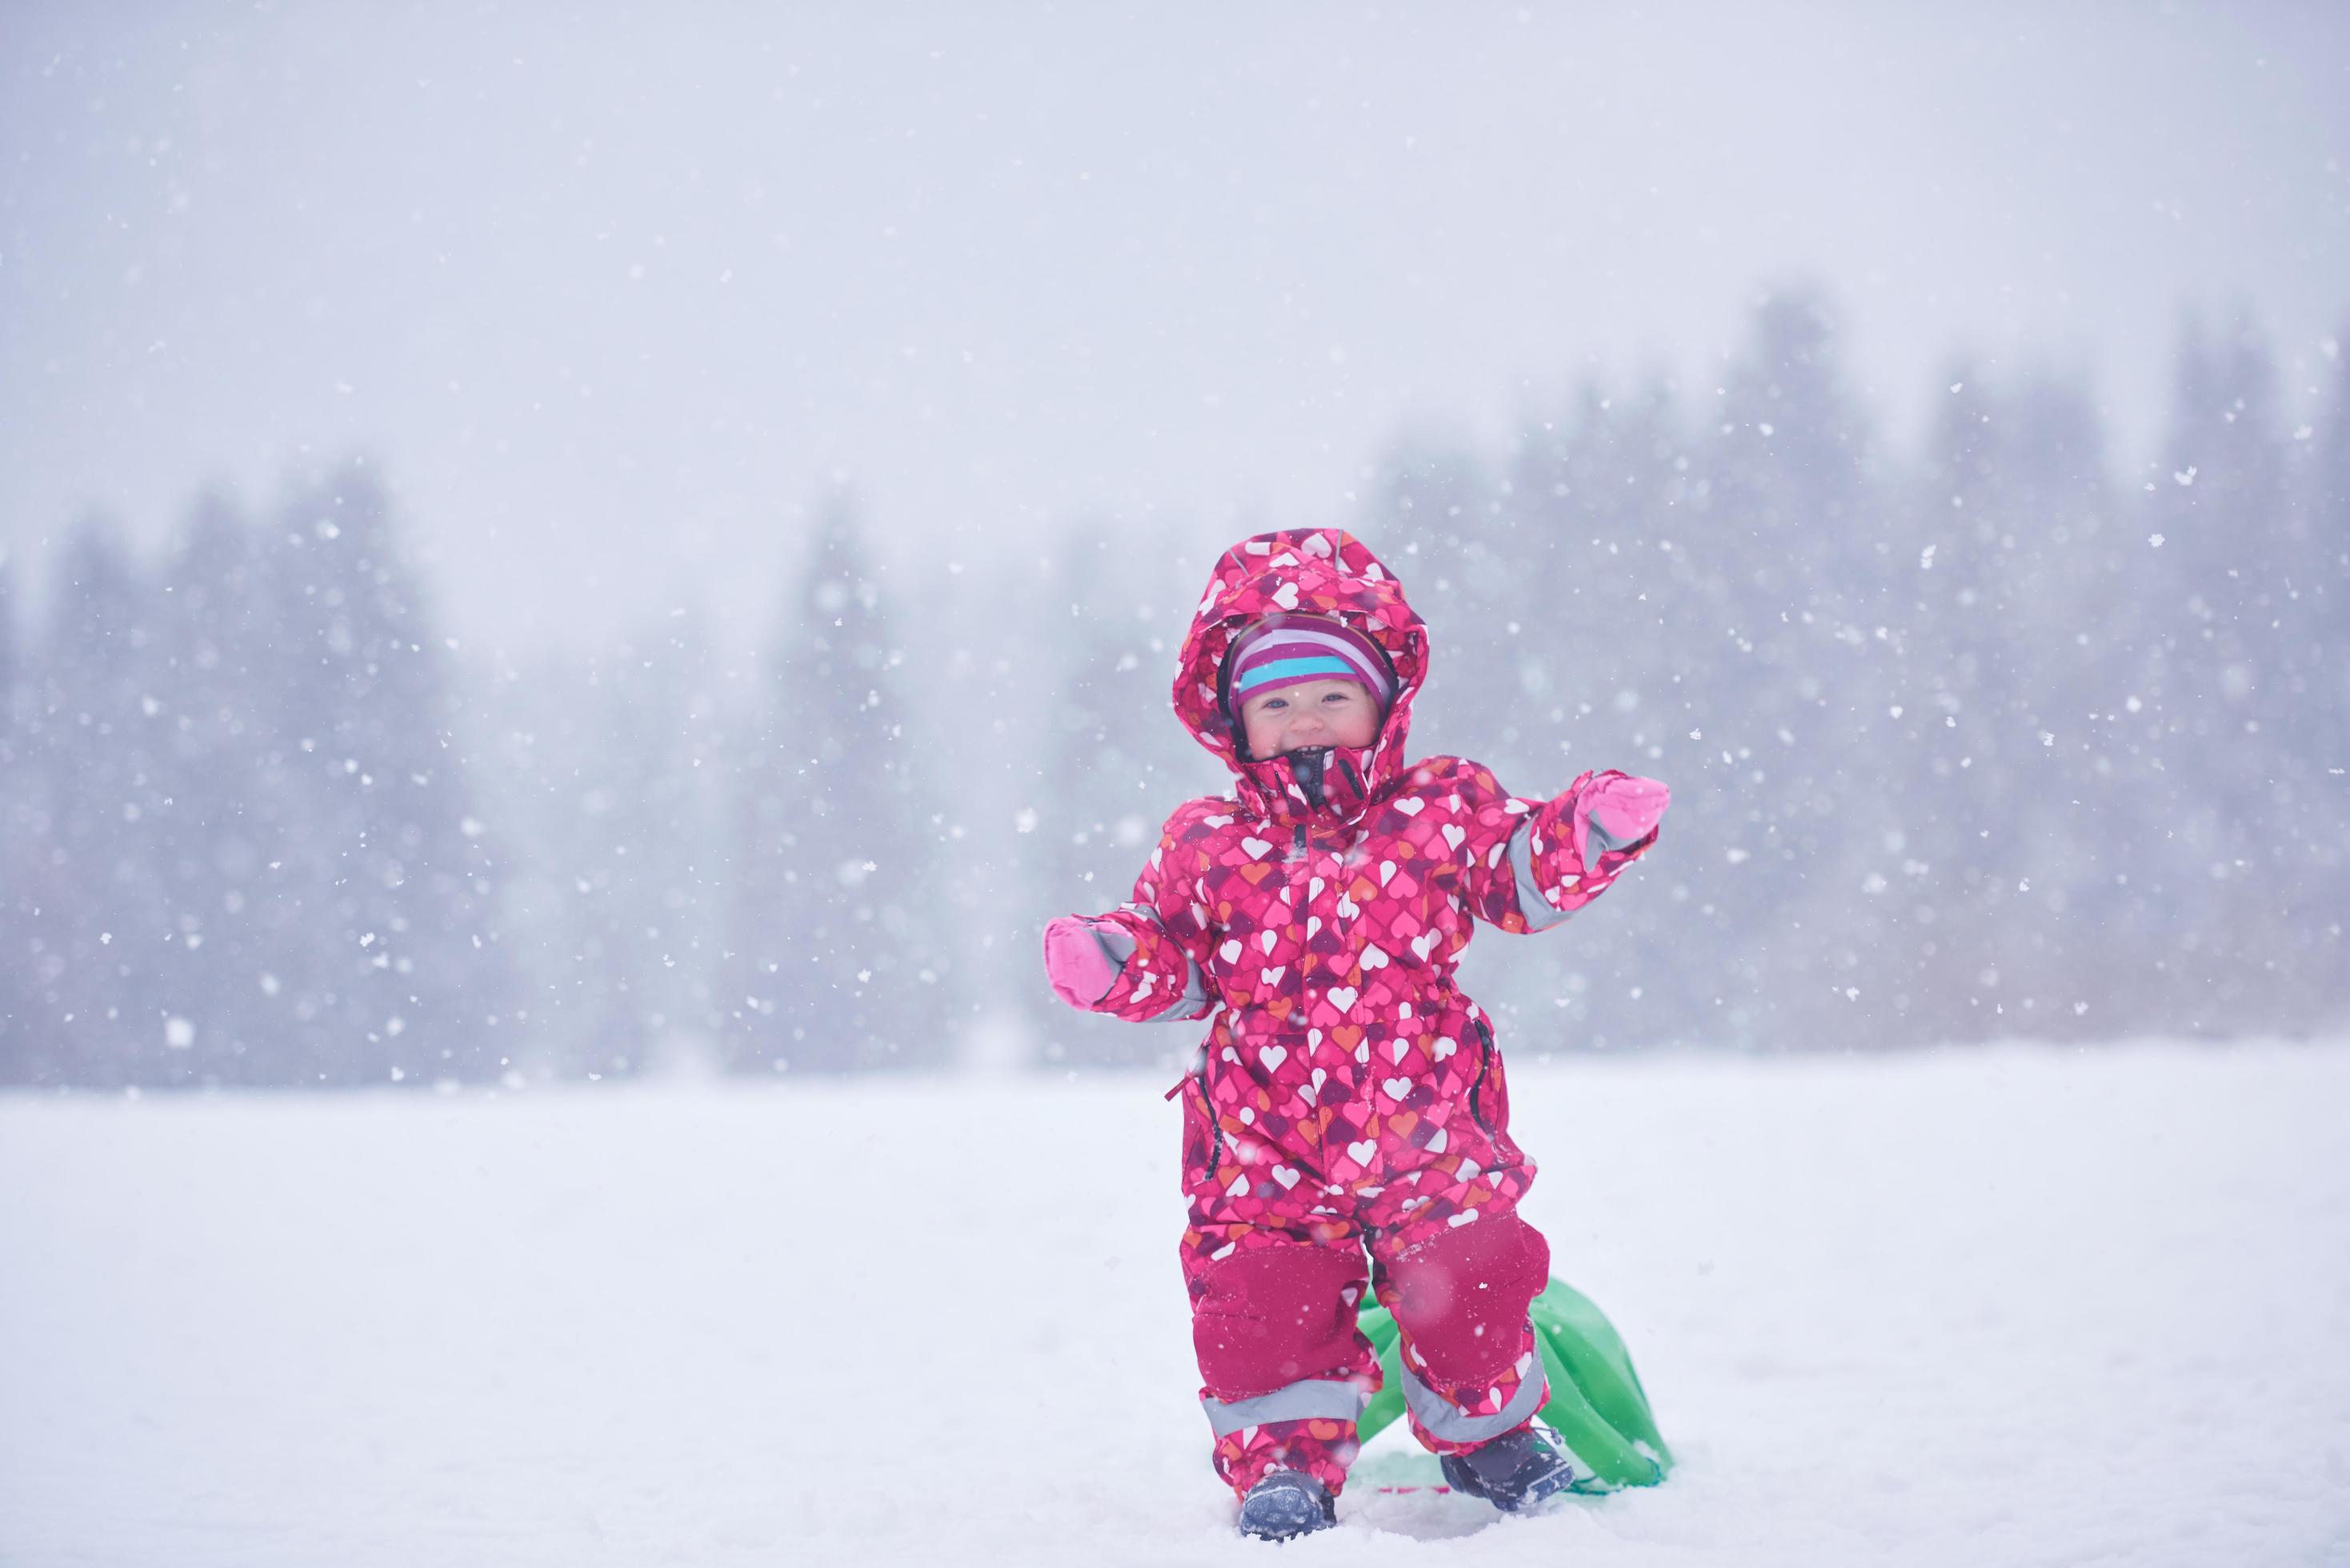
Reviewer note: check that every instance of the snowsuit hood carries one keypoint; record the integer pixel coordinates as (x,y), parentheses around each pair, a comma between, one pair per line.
(1325,572)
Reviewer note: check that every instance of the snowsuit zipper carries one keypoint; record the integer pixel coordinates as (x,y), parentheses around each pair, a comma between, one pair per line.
(1484,1064)
(1215,1126)
(1306,768)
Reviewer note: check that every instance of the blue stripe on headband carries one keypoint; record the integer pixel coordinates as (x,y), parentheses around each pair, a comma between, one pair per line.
(1322,664)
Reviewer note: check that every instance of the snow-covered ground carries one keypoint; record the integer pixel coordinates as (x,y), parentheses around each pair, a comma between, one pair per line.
(2007,1307)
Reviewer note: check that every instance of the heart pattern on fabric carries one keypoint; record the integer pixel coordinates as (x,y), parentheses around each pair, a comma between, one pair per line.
(1326,926)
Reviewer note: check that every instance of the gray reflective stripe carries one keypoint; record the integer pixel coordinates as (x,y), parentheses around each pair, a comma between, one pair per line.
(1540,916)
(1195,984)
(1116,945)
(1328,1399)
(1194,997)
(1443,1418)
(1598,841)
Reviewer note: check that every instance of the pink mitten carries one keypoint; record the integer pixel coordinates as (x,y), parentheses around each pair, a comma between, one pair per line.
(1080,970)
(1617,810)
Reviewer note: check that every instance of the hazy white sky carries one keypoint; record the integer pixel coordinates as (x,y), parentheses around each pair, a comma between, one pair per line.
(613,291)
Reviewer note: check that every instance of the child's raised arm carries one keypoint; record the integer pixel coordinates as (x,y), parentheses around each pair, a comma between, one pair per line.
(1145,960)
(1534,863)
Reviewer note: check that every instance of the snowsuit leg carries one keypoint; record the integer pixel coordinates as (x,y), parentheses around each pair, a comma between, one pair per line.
(1284,1371)
(1471,1368)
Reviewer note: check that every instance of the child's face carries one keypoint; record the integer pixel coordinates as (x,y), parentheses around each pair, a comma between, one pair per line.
(1310,713)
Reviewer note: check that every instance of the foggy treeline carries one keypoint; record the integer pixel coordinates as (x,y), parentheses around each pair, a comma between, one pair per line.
(2002,739)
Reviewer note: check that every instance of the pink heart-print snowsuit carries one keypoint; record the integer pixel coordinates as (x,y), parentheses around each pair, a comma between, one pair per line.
(1348,1095)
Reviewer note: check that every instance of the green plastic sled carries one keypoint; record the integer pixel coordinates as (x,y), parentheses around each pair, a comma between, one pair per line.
(1596,1405)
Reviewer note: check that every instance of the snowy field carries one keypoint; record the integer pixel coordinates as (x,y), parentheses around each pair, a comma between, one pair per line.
(1998,1307)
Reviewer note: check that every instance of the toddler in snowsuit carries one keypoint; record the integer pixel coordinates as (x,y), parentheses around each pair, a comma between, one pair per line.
(1349,1096)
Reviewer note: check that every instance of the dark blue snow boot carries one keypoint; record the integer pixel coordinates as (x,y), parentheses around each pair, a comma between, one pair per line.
(1286,1504)
(1515,1472)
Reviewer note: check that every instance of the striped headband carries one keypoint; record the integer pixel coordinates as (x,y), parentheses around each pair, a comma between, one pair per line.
(1287,649)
